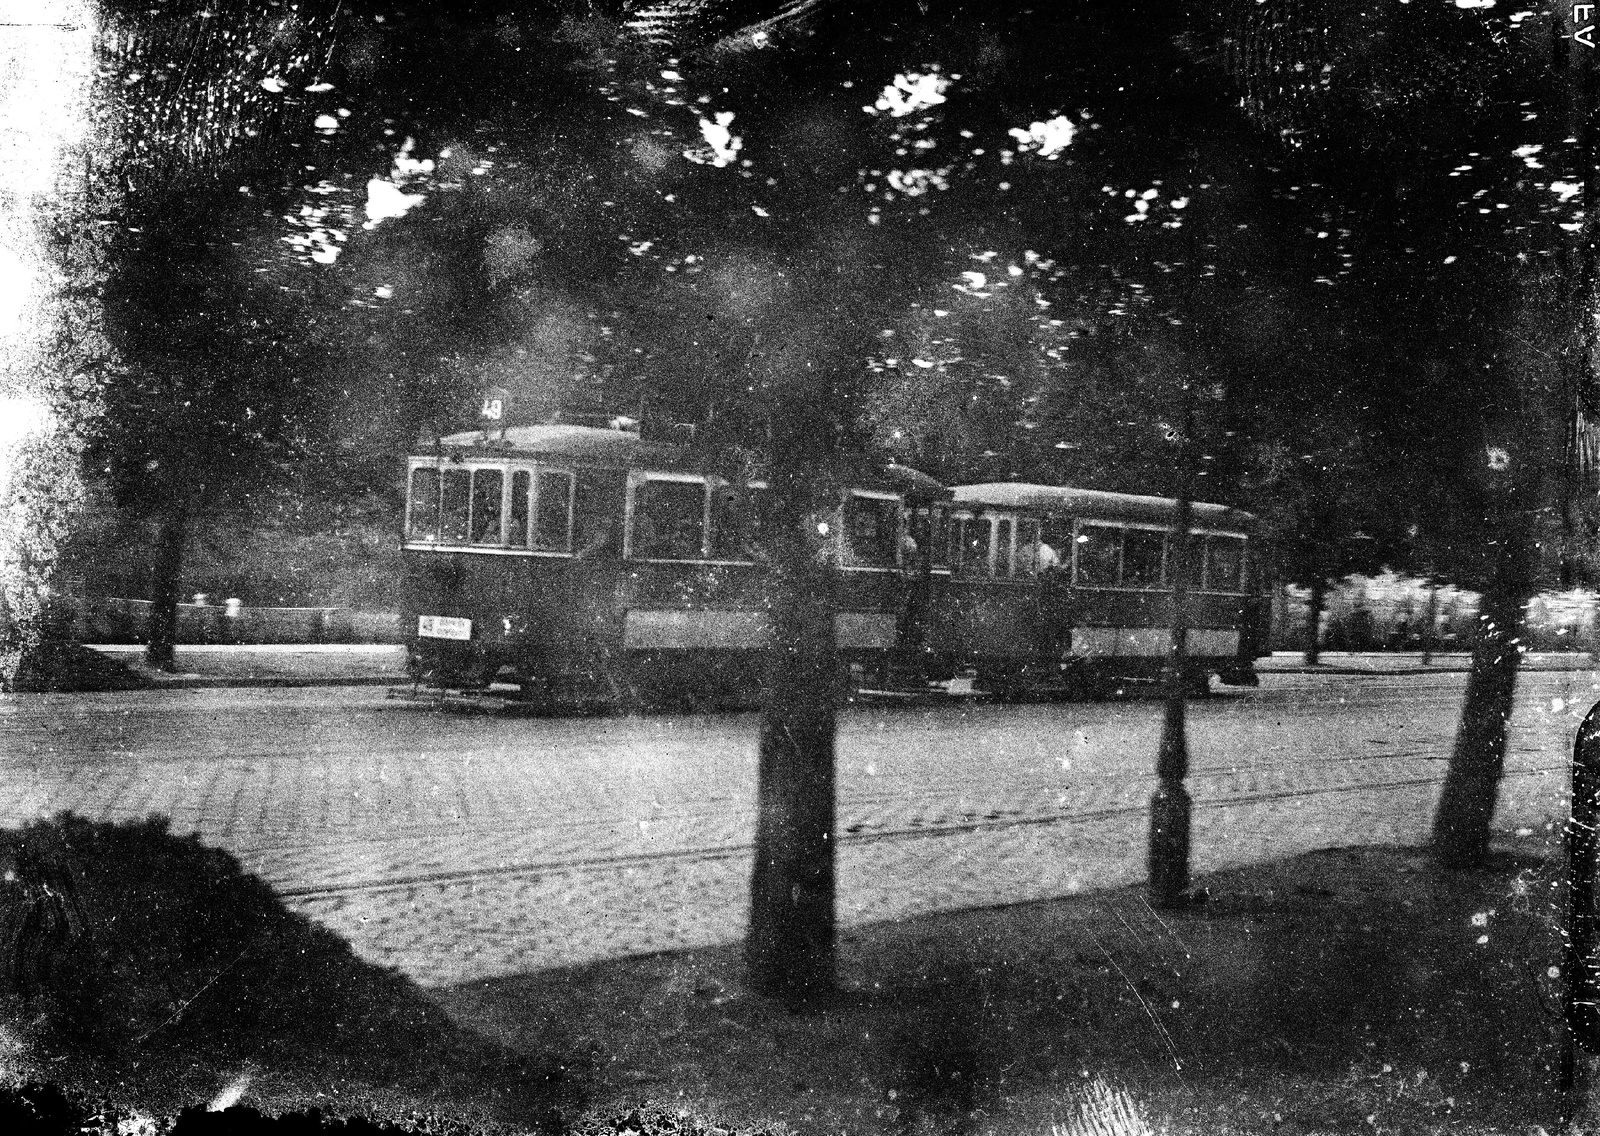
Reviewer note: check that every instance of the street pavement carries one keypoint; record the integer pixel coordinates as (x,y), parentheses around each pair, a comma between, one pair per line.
(458,846)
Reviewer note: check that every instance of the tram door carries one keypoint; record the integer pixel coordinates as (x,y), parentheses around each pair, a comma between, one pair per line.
(920,552)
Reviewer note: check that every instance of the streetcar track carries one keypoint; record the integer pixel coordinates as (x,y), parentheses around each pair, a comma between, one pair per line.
(448,828)
(457,877)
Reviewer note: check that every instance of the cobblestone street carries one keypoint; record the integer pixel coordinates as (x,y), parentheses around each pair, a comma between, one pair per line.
(459,846)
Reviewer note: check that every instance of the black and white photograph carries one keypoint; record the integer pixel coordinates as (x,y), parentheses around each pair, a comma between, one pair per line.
(799,567)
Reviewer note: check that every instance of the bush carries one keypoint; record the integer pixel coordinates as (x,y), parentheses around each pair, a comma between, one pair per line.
(178,955)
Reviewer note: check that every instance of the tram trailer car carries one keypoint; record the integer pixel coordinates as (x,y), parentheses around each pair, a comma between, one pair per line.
(1039,588)
(579,562)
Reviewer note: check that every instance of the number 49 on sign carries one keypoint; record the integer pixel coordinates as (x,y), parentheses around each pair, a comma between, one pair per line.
(493,406)
(1583,32)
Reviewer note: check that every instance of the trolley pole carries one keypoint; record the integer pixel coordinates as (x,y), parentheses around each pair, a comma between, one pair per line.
(1170,806)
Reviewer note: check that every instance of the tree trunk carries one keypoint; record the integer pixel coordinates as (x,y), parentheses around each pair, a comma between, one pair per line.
(1472,783)
(1170,807)
(789,952)
(166,585)
(1430,631)
(1319,595)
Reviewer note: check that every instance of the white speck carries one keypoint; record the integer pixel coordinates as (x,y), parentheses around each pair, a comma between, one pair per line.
(1047,138)
(911,92)
(274,84)
(385,200)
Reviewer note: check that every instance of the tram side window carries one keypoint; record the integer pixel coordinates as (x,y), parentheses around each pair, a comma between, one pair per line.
(488,487)
(871,527)
(1098,553)
(733,523)
(668,520)
(455,505)
(926,529)
(596,515)
(423,519)
(553,524)
(955,540)
(1224,563)
(763,516)
(1142,555)
(939,537)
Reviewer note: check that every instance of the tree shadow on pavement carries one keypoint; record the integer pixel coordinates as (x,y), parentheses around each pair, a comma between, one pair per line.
(1339,991)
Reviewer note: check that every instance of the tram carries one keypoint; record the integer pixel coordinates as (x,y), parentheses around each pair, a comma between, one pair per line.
(579,562)
(575,562)
(1038,587)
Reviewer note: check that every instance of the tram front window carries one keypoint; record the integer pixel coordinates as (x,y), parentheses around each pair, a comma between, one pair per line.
(517,524)
(455,500)
(1027,548)
(487,488)
(423,517)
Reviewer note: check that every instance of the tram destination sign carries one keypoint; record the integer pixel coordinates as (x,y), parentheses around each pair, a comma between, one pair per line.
(443,627)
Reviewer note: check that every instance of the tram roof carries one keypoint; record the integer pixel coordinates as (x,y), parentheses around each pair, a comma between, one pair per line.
(599,446)
(572,443)
(1097,503)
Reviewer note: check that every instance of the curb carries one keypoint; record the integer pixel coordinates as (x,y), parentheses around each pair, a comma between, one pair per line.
(200,682)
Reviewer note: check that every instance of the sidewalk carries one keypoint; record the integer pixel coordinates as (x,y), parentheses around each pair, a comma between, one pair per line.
(384,664)
(1410,662)
(1351,990)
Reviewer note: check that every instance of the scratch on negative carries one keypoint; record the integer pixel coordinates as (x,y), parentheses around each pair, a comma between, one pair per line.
(184,1005)
(1161,1030)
